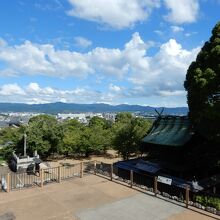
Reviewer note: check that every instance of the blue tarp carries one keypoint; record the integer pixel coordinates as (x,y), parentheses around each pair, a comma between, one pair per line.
(139,165)
(148,167)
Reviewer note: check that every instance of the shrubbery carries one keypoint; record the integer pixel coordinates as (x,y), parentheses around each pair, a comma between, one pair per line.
(209,201)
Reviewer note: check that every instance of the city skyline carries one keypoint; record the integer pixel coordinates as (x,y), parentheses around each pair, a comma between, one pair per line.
(123,52)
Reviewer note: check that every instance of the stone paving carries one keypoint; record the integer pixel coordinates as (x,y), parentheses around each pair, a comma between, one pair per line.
(88,198)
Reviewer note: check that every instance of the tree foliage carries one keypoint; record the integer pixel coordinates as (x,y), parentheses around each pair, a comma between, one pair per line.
(10,140)
(203,86)
(48,136)
(44,135)
(72,130)
(129,132)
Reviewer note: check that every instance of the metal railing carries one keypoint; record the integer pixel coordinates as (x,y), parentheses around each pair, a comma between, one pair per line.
(50,175)
(70,171)
(14,181)
(103,169)
(22,180)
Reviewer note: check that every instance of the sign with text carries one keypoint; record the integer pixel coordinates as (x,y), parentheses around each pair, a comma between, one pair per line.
(164,180)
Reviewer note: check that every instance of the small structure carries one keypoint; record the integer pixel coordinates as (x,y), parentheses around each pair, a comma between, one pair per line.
(169,142)
(24,162)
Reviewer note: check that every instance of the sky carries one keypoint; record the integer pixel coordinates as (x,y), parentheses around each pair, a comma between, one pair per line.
(101,51)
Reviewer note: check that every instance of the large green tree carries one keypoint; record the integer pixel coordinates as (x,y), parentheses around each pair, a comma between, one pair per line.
(96,137)
(44,134)
(128,134)
(72,130)
(203,86)
(11,139)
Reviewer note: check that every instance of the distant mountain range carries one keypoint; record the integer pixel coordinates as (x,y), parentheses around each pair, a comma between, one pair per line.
(59,107)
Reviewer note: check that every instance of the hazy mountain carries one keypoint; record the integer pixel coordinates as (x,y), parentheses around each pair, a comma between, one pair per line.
(59,107)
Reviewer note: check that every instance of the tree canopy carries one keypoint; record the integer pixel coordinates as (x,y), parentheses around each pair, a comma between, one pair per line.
(44,135)
(48,136)
(129,132)
(203,88)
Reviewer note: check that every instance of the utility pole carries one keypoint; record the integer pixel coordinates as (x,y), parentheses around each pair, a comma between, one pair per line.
(25,144)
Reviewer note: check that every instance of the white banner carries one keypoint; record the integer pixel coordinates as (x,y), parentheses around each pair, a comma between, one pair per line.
(164,180)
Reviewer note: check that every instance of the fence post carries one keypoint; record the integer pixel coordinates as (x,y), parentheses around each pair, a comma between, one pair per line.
(8,182)
(81,170)
(155,186)
(95,167)
(59,174)
(111,174)
(42,178)
(131,178)
(187,196)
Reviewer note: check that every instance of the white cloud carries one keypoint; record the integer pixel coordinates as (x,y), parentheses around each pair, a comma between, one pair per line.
(172,93)
(159,75)
(82,42)
(114,88)
(33,93)
(108,61)
(11,90)
(33,87)
(114,13)
(158,32)
(189,34)
(182,11)
(165,71)
(35,59)
(176,29)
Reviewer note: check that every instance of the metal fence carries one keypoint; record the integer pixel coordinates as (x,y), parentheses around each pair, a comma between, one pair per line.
(70,171)
(50,175)
(103,169)
(14,181)
(171,192)
(22,180)
(88,167)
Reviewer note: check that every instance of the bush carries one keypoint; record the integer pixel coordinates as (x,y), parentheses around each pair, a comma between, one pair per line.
(209,201)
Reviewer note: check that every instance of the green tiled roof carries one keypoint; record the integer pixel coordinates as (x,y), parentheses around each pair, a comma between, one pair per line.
(170,130)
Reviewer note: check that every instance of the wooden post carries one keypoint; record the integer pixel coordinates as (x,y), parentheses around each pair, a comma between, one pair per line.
(187,196)
(131,178)
(8,182)
(155,186)
(111,174)
(81,170)
(59,174)
(42,177)
(95,167)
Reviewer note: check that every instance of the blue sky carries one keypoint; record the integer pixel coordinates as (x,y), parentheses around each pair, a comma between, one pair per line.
(101,51)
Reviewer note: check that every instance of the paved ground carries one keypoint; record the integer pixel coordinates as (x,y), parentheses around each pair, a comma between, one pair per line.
(89,198)
(135,207)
